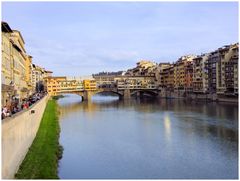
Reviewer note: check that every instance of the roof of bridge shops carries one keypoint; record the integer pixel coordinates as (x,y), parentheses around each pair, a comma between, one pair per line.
(63,79)
(123,76)
(56,77)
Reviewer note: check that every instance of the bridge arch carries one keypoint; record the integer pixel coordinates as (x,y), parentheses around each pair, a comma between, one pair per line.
(81,94)
(141,92)
(109,91)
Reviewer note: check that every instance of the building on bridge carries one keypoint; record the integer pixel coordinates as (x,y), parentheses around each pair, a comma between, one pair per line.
(136,82)
(60,85)
(126,82)
(89,84)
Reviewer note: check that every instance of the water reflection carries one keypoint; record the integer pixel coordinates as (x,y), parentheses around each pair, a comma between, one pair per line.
(167,125)
(108,138)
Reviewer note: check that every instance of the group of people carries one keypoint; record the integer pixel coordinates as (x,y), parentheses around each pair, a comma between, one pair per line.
(15,106)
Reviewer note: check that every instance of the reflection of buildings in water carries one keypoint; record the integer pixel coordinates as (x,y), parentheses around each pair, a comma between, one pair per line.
(87,107)
(167,126)
(205,126)
(69,109)
(224,132)
(220,120)
(212,109)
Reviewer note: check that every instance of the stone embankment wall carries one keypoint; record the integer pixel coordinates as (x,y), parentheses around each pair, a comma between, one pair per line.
(18,133)
(195,96)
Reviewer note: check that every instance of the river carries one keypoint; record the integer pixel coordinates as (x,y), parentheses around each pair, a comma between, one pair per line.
(111,139)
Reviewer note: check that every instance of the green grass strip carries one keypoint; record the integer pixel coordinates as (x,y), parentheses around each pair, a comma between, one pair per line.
(41,161)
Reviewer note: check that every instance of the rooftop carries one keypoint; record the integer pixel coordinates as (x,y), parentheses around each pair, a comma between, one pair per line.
(6,28)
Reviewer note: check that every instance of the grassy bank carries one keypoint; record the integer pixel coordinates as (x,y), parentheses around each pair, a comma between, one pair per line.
(41,161)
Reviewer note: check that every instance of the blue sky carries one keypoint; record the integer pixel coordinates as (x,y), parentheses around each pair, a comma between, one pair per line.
(81,38)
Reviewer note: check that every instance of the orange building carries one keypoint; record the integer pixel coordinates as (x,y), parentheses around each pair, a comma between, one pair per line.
(183,73)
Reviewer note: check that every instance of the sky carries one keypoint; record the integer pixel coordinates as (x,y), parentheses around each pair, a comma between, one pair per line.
(81,38)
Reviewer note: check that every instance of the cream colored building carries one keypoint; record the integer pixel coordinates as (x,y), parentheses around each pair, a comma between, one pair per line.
(37,78)
(160,74)
(105,80)
(200,74)
(70,85)
(19,62)
(144,67)
(227,70)
(234,58)
(28,73)
(136,82)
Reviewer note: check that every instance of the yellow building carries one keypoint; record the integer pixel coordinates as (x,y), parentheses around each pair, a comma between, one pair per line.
(53,85)
(89,84)
(13,65)
(18,74)
(59,85)
(6,72)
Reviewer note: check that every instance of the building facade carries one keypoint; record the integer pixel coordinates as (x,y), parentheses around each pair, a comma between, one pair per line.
(200,74)
(17,79)
(7,65)
(144,67)
(183,73)
(160,74)
(14,79)
(226,70)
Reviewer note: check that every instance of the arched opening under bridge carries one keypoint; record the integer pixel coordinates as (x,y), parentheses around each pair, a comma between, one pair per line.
(106,96)
(144,94)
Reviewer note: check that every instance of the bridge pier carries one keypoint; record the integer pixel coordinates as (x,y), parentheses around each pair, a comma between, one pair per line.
(140,94)
(126,94)
(87,95)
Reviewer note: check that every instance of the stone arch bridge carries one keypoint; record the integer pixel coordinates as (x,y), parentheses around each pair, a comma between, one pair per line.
(122,93)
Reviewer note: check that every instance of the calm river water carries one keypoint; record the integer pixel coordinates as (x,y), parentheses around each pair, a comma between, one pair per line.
(110,139)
